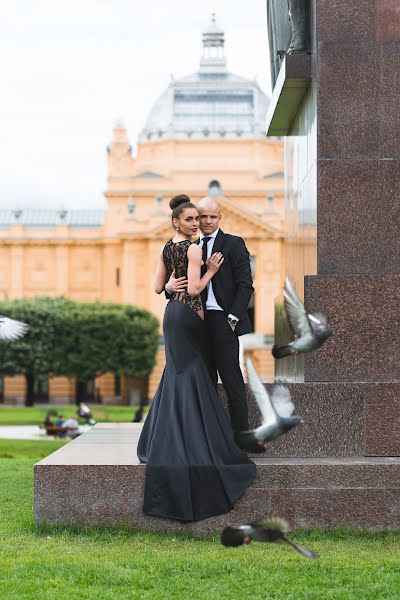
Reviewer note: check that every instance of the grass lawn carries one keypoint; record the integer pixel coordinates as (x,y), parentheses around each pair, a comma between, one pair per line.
(60,563)
(32,415)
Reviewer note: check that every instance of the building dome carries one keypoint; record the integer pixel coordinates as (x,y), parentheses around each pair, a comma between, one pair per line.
(210,104)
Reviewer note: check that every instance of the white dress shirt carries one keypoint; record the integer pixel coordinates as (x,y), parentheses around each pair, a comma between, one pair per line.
(211,303)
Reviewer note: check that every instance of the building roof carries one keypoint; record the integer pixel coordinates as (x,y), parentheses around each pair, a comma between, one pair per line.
(238,214)
(209,104)
(50,218)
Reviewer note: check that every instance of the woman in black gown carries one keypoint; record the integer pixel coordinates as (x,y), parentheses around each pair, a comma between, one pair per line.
(194,468)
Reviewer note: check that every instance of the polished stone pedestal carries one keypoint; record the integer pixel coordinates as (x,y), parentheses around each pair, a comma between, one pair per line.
(97,480)
(342,242)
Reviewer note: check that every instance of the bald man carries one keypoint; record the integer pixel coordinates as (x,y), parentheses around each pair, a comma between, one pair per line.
(225,299)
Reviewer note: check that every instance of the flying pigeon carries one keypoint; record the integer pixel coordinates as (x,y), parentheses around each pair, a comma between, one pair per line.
(275,411)
(273,530)
(11,330)
(311,331)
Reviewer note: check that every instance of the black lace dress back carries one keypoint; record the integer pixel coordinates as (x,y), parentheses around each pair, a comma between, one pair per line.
(175,258)
(194,469)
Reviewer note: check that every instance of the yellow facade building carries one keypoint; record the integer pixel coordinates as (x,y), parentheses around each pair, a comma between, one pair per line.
(204,135)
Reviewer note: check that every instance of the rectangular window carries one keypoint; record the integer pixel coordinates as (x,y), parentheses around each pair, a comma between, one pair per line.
(117,276)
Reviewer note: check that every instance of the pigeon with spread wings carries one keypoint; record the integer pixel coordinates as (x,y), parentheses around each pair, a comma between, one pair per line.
(11,330)
(276,413)
(311,330)
(272,530)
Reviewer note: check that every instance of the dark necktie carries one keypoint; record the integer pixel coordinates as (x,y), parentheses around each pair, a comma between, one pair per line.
(204,255)
(204,293)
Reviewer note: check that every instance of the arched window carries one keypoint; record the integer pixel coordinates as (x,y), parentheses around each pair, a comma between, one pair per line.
(214,188)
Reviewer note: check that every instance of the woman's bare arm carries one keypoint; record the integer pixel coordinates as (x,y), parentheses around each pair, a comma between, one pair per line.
(161,276)
(196,284)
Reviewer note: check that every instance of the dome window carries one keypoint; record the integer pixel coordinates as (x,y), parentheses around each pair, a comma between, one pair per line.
(214,188)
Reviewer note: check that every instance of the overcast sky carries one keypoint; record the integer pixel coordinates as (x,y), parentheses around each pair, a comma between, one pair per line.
(71,68)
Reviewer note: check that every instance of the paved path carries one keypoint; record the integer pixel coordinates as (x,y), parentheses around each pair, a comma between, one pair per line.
(29,432)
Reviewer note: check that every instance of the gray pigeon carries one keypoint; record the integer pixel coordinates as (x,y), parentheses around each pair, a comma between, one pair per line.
(311,331)
(273,530)
(11,330)
(275,411)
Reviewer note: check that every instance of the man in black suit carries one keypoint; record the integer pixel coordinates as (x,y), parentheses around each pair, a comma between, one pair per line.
(226,300)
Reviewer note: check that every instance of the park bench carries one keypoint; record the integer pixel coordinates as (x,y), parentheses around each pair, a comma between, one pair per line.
(54,429)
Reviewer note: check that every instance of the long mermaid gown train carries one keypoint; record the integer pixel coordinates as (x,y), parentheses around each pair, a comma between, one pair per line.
(194,468)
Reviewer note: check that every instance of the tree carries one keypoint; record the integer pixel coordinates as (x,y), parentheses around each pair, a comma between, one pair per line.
(35,354)
(79,339)
(99,337)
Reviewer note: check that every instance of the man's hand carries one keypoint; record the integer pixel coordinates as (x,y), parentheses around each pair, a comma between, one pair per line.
(233,321)
(176,284)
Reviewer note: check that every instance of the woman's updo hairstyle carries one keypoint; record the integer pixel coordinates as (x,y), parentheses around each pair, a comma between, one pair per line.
(178,204)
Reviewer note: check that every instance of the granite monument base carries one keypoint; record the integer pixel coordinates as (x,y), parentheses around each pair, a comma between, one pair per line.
(97,480)
(346,419)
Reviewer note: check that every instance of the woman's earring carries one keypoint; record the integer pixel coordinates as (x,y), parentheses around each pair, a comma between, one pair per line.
(177,228)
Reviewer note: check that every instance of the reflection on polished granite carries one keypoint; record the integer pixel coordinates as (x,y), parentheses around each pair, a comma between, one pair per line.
(343,150)
(300,219)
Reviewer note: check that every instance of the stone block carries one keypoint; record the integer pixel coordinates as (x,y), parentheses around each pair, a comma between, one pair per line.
(387,21)
(97,480)
(344,21)
(359,218)
(364,315)
(341,419)
(358,90)
(382,419)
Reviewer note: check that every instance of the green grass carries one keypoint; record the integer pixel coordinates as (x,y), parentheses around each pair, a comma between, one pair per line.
(28,449)
(32,415)
(63,563)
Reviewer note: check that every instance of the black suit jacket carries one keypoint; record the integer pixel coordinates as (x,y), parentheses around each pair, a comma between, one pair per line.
(233,283)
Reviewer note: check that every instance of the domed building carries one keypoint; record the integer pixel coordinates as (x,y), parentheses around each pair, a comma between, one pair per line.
(211,104)
(204,135)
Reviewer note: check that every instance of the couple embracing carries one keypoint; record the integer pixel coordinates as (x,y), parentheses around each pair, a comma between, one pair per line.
(194,469)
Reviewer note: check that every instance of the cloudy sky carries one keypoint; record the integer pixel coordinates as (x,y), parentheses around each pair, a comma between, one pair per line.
(72,68)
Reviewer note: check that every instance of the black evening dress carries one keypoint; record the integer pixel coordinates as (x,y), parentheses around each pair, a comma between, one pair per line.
(194,469)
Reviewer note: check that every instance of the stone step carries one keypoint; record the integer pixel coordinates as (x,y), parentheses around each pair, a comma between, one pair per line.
(340,419)
(96,480)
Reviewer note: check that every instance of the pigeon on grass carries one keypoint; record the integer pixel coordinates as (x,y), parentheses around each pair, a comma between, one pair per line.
(272,530)
(11,330)
(275,411)
(310,331)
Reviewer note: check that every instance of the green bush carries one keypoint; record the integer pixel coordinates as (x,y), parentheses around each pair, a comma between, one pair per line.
(79,339)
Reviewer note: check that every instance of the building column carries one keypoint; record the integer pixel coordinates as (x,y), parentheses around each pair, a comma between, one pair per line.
(62,270)
(17,257)
(156,302)
(112,273)
(128,275)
